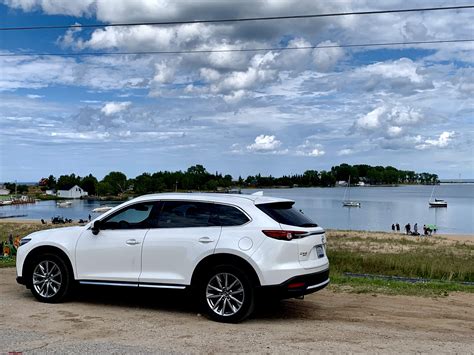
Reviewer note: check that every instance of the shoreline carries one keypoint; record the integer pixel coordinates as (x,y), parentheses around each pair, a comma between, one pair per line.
(358,233)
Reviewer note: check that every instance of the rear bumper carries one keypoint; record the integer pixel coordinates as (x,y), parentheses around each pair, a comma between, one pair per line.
(298,286)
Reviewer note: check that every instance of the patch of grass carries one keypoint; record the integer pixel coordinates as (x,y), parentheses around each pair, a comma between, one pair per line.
(395,255)
(368,285)
(21,229)
(7,262)
(416,263)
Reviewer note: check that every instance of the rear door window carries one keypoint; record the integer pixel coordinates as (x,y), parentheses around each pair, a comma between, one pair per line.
(185,214)
(285,213)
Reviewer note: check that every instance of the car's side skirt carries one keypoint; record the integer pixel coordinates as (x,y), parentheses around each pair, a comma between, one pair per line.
(131,284)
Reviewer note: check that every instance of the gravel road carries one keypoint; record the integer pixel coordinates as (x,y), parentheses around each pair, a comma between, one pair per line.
(113,320)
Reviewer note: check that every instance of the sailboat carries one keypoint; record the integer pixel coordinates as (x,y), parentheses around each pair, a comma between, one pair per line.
(436,202)
(349,202)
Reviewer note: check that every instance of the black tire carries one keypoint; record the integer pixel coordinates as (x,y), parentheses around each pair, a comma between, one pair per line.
(239,288)
(49,278)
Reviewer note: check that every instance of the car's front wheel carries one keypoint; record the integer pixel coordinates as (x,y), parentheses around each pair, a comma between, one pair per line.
(50,279)
(227,294)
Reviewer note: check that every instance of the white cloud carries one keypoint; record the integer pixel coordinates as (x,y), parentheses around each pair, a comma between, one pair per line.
(372,119)
(326,58)
(345,151)
(394,131)
(239,80)
(234,97)
(389,119)
(104,73)
(34,96)
(209,74)
(54,7)
(310,149)
(441,142)
(111,108)
(264,143)
(402,68)
(164,72)
(316,153)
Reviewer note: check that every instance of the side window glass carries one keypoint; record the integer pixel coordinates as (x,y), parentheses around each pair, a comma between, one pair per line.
(231,216)
(185,214)
(137,216)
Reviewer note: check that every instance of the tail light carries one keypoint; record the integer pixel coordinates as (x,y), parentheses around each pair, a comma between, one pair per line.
(284,235)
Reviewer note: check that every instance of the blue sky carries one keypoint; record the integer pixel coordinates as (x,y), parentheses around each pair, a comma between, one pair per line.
(240,113)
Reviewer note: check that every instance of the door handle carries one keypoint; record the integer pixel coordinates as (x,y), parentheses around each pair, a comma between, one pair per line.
(132,242)
(205,240)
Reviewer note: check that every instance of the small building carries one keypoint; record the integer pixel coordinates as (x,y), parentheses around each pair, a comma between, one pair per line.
(73,192)
(50,192)
(4,191)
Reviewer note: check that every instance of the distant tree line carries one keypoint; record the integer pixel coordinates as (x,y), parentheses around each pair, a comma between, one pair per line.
(373,175)
(20,189)
(198,178)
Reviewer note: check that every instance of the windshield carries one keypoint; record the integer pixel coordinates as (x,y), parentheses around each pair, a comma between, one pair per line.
(284,213)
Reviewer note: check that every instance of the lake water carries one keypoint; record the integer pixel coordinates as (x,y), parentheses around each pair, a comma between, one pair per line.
(380,207)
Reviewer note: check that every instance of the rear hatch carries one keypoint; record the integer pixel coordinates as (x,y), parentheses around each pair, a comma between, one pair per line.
(301,229)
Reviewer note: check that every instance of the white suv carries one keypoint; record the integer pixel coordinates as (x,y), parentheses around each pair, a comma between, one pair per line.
(225,248)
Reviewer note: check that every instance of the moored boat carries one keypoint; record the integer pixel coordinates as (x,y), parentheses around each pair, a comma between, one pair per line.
(436,202)
(102,209)
(349,202)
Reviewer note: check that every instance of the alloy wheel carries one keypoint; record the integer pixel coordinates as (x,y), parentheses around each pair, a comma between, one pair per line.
(47,278)
(225,294)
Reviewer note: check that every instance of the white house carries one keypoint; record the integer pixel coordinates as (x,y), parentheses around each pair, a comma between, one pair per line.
(3,190)
(73,192)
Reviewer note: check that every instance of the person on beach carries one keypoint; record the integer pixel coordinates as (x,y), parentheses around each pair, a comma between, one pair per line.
(425,230)
(398,227)
(393,227)
(408,228)
(90,217)
(415,228)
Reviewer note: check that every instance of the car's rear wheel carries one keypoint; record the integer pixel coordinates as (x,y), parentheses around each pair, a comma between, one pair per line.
(50,278)
(227,294)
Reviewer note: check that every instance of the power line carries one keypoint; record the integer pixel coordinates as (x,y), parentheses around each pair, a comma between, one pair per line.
(270,18)
(197,51)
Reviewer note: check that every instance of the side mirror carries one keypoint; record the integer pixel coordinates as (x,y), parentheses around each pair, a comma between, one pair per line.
(96,227)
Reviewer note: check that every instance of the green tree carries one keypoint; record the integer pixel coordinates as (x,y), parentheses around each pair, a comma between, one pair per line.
(51,182)
(327,179)
(65,182)
(89,184)
(117,182)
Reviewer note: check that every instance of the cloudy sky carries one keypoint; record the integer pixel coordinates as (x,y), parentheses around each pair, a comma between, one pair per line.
(273,112)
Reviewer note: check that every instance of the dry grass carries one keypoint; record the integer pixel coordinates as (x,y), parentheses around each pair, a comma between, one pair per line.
(391,254)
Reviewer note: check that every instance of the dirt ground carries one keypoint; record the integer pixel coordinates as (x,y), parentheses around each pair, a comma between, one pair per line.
(116,320)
